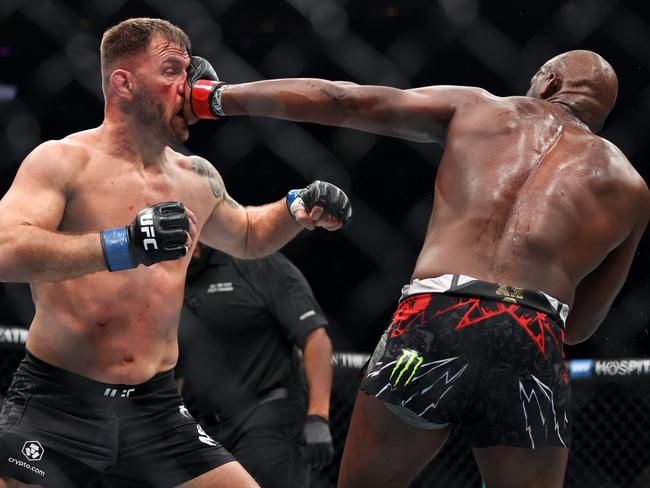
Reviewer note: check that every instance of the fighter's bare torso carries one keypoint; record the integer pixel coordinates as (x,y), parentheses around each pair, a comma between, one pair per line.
(527,196)
(116,327)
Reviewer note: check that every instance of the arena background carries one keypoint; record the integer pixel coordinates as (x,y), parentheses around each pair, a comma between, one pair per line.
(50,86)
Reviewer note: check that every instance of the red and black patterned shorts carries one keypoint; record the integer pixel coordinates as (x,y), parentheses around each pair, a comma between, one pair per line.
(489,360)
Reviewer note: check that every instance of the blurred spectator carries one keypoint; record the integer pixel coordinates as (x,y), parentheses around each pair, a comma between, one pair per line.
(239,370)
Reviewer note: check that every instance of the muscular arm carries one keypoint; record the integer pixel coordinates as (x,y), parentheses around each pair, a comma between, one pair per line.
(317,357)
(244,232)
(597,291)
(30,212)
(419,114)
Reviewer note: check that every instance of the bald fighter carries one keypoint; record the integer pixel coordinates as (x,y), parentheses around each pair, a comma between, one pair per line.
(100,224)
(533,230)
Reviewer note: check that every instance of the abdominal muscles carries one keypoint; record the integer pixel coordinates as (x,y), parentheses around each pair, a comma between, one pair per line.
(112,327)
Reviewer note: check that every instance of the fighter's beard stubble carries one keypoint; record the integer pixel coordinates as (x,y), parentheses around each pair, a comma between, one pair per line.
(150,112)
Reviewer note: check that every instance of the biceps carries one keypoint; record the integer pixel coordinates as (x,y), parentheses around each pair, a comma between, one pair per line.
(418,114)
(31,203)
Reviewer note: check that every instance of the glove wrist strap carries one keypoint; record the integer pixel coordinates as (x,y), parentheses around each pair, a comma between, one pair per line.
(115,244)
(292,195)
(215,101)
(320,417)
(203,99)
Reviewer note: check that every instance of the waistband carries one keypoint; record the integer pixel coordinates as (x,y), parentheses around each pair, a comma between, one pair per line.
(45,371)
(453,284)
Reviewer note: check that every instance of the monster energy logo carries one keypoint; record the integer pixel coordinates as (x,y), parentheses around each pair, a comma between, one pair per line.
(409,357)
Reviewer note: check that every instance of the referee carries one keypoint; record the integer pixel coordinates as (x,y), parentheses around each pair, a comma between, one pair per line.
(16,314)
(239,371)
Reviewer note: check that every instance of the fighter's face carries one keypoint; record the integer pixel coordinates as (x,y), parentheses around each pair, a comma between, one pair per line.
(159,94)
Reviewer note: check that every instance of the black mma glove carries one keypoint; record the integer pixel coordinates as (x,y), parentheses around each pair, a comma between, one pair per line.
(317,448)
(205,95)
(158,233)
(322,194)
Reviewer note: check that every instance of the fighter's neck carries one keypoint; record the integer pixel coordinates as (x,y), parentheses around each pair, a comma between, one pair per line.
(129,141)
(567,106)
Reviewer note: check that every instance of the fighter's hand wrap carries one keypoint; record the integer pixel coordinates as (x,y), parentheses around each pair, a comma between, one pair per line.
(206,89)
(321,194)
(158,233)
(317,448)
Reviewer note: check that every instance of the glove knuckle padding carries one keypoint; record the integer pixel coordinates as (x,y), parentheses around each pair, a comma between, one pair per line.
(308,196)
(159,233)
(169,207)
(174,221)
(204,82)
(173,239)
(200,69)
(333,200)
(316,195)
(322,194)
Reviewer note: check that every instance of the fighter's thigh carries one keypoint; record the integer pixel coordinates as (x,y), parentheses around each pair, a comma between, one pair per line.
(229,475)
(383,451)
(517,467)
(58,458)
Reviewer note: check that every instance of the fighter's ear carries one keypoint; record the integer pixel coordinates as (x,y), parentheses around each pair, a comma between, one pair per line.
(121,82)
(552,83)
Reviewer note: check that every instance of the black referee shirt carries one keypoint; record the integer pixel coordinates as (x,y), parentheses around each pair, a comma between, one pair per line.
(16,314)
(238,327)
(16,305)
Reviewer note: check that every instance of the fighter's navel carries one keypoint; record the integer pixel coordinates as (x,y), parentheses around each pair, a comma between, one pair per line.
(101,325)
(129,359)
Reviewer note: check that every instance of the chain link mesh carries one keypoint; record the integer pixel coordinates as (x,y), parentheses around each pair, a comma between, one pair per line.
(50,86)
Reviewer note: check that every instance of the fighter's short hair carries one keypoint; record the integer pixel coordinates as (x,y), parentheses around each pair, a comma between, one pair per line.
(132,36)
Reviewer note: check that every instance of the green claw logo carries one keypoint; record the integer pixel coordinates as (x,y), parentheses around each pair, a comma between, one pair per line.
(409,357)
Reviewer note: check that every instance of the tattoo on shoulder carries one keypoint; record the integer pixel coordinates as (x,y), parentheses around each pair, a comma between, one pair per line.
(202,168)
(232,203)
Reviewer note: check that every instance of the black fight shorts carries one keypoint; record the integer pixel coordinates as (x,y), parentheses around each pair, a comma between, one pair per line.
(59,429)
(485,356)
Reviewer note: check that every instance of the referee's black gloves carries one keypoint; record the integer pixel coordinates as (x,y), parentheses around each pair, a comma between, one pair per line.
(317,448)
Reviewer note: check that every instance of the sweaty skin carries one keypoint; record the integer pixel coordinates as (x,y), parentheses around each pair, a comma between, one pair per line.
(121,327)
(117,327)
(525,194)
(517,179)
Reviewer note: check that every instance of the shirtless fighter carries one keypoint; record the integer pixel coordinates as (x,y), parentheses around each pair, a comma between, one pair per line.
(533,230)
(95,393)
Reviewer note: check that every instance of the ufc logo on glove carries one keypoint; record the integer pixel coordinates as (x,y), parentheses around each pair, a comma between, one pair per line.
(146,227)
(138,243)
